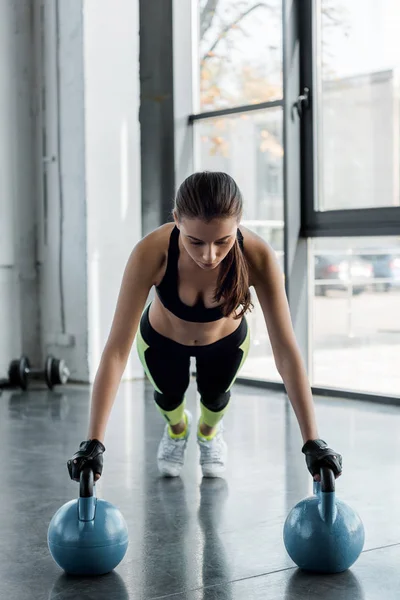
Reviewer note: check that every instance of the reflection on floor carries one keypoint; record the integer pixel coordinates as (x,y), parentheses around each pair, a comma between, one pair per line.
(191,538)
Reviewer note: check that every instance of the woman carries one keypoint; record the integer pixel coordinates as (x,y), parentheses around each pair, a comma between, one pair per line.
(202,267)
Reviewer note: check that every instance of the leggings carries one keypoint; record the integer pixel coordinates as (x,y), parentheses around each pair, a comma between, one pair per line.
(167,365)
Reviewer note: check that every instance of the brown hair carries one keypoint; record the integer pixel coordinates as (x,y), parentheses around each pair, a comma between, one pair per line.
(210,195)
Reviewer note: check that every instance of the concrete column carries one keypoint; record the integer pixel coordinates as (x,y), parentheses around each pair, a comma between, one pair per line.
(18,278)
(156,112)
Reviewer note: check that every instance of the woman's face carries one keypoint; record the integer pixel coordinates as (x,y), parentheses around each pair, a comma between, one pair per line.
(208,243)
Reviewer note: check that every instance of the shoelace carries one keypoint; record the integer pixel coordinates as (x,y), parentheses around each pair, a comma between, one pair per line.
(211,452)
(174,449)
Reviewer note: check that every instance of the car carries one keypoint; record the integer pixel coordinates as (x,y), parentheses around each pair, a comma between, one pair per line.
(338,272)
(385,265)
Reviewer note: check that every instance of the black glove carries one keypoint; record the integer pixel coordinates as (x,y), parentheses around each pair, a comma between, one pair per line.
(90,453)
(319,455)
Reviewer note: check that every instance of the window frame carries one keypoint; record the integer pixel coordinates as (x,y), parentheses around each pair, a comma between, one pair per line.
(360,222)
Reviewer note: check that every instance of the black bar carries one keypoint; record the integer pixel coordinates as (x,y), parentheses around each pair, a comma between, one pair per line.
(324,392)
(156,113)
(327,480)
(308,155)
(86,483)
(354,395)
(260,383)
(235,110)
(389,229)
(354,222)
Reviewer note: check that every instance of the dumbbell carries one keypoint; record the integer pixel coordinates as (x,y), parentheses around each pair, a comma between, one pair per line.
(55,372)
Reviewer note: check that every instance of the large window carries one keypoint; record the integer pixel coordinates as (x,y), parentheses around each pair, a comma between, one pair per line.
(358,117)
(342,155)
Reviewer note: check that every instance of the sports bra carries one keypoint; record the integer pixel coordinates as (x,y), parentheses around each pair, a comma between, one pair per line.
(167,290)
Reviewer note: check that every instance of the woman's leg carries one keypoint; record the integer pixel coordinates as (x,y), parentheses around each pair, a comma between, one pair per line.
(217,368)
(167,366)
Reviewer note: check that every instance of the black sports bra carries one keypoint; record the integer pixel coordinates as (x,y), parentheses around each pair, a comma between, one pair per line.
(167,290)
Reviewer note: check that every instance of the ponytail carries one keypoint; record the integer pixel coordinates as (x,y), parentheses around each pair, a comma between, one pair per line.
(233,283)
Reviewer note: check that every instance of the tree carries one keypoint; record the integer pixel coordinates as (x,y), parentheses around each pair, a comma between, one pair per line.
(225,82)
(222,29)
(222,26)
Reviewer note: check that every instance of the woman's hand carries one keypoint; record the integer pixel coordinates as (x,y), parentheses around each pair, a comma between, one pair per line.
(319,455)
(90,454)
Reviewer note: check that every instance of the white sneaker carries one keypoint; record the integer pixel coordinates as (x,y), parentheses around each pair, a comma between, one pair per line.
(171,453)
(213,454)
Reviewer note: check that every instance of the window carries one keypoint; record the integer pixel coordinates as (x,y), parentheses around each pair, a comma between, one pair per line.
(240,52)
(249,147)
(358,115)
(356,323)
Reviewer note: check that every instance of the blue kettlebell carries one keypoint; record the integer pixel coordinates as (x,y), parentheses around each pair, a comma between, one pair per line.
(87,536)
(321,533)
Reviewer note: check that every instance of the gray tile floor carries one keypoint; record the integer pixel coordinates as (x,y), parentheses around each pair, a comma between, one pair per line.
(193,539)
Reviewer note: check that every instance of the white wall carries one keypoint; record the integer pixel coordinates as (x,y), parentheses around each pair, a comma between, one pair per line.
(18,281)
(68,223)
(112,143)
(62,238)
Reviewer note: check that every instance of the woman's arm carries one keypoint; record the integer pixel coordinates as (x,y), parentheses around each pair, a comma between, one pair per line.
(268,282)
(140,274)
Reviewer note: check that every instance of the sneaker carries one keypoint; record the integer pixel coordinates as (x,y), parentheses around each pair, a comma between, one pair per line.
(213,454)
(171,452)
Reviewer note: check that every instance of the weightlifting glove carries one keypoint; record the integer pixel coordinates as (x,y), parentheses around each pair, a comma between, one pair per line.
(90,453)
(319,455)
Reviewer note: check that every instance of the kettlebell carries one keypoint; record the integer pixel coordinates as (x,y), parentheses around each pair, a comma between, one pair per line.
(321,533)
(87,536)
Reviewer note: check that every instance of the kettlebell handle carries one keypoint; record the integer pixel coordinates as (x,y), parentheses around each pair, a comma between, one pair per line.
(86,483)
(327,480)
